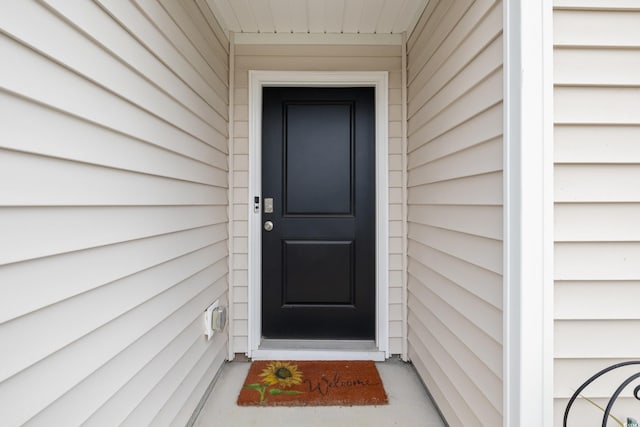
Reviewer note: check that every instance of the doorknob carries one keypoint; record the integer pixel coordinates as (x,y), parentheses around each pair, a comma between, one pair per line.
(268,226)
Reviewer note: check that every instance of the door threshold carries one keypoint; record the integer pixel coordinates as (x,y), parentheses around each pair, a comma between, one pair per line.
(317,350)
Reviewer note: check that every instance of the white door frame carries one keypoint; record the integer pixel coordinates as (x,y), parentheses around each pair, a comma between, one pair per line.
(378,80)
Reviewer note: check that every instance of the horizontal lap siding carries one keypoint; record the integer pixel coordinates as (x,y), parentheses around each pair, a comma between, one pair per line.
(455,207)
(315,58)
(597,210)
(113,209)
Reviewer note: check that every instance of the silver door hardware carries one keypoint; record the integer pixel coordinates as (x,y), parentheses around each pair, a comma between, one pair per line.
(268,205)
(268,226)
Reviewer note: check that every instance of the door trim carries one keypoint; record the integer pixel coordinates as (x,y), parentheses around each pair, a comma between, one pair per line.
(380,81)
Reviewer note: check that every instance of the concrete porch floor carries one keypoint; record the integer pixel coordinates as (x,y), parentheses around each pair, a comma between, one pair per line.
(409,404)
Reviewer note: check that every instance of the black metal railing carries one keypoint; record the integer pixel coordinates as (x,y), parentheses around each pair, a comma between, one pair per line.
(614,397)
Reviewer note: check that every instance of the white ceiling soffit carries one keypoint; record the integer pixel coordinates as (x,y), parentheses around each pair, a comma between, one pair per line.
(318,16)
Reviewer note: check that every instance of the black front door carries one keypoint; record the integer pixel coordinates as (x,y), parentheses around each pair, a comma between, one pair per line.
(318,167)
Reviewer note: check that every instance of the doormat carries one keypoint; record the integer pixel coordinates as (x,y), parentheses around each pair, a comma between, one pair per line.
(312,383)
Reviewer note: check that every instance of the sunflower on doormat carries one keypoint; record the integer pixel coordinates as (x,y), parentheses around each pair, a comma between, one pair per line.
(280,374)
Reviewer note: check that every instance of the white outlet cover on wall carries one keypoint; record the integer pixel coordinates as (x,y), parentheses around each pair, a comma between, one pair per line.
(208,317)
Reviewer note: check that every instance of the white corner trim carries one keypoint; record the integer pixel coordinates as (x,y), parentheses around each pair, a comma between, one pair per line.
(380,81)
(528,214)
(405,205)
(319,38)
(230,216)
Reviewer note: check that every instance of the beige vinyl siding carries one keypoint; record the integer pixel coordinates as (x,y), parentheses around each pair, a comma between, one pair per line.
(113,209)
(455,207)
(315,58)
(597,210)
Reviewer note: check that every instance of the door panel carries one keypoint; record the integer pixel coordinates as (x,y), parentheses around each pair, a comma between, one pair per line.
(318,262)
(306,262)
(319,159)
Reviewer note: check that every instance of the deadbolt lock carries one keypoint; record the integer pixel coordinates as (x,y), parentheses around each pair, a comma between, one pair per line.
(268,205)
